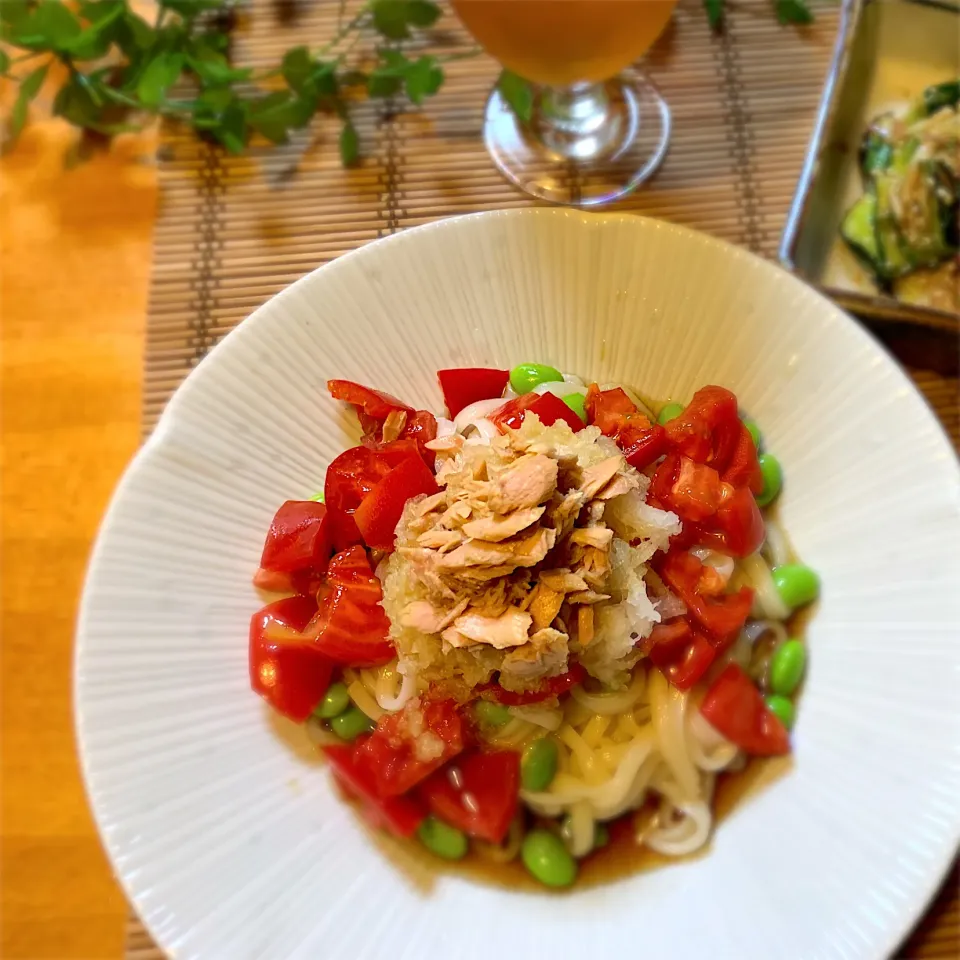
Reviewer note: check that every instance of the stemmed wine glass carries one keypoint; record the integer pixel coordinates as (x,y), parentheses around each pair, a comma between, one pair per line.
(596,130)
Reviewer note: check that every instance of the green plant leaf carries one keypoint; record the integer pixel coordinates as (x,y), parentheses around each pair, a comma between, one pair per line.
(422,13)
(160,74)
(793,11)
(29,88)
(232,132)
(276,114)
(714,10)
(423,79)
(48,26)
(518,93)
(94,41)
(213,68)
(383,82)
(349,145)
(296,67)
(134,35)
(390,18)
(12,12)
(76,102)
(191,8)
(4,61)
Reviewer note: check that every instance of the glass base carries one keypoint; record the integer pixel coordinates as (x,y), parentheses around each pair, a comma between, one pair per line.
(612,140)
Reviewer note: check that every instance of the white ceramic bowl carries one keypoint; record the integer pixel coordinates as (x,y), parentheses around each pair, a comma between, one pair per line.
(228,838)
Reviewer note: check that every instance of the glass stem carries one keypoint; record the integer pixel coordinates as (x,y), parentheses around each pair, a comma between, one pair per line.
(574,121)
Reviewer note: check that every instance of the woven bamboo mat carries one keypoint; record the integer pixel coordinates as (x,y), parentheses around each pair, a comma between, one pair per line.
(234,231)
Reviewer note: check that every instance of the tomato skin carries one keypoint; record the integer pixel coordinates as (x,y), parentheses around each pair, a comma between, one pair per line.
(400,815)
(547,406)
(351,627)
(740,523)
(610,410)
(389,753)
(743,468)
(552,687)
(379,513)
(465,385)
(683,655)
(374,403)
(708,428)
(299,538)
(286,668)
(491,781)
(697,491)
(735,708)
(645,446)
(720,617)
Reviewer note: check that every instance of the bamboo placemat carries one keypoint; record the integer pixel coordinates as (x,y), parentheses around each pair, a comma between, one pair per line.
(234,231)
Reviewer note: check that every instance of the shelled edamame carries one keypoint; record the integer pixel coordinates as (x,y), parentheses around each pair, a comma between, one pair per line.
(525,376)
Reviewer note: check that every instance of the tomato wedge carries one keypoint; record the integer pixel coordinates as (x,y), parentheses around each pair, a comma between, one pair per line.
(547,406)
(466,385)
(351,627)
(374,403)
(476,793)
(379,513)
(286,668)
(722,617)
(299,538)
(708,428)
(400,815)
(552,687)
(681,653)
(734,707)
(406,747)
(743,469)
(610,410)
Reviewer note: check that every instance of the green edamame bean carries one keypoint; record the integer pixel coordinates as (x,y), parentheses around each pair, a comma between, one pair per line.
(787,666)
(601,836)
(538,764)
(772,478)
(442,840)
(526,376)
(334,702)
(754,432)
(796,583)
(782,708)
(491,714)
(351,723)
(577,402)
(547,859)
(669,412)
(319,497)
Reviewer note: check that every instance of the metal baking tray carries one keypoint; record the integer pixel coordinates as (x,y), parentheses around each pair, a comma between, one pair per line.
(886,52)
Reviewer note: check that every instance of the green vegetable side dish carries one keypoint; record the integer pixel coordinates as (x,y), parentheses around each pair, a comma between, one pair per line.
(782,708)
(669,412)
(491,714)
(796,584)
(350,724)
(334,702)
(577,402)
(442,840)
(772,479)
(548,860)
(538,764)
(787,666)
(904,228)
(526,376)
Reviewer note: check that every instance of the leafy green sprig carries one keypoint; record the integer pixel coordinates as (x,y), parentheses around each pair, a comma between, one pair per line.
(122,71)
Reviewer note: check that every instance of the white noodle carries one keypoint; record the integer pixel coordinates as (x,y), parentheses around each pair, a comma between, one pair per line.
(609,704)
(474,412)
(720,562)
(767,604)
(708,749)
(397,702)
(559,388)
(669,706)
(540,716)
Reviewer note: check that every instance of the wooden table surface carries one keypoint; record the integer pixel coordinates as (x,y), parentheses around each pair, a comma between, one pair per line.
(76,249)
(76,252)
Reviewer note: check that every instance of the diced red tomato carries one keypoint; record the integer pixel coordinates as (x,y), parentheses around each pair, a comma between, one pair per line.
(476,793)
(740,524)
(286,667)
(421,427)
(465,385)
(406,747)
(645,446)
(697,491)
(351,627)
(552,687)
(547,406)
(743,469)
(303,582)
(708,428)
(374,403)
(299,538)
(379,513)
(683,656)
(399,815)
(610,410)
(722,617)
(733,706)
